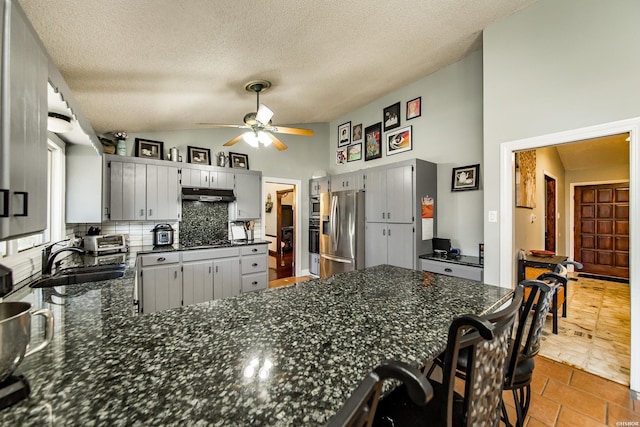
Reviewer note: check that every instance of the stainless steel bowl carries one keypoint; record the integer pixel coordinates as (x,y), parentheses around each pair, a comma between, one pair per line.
(15,334)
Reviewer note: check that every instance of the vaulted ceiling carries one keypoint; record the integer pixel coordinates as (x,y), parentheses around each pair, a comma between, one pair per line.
(165,64)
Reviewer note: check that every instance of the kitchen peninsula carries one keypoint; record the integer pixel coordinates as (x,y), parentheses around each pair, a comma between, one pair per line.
(285,356)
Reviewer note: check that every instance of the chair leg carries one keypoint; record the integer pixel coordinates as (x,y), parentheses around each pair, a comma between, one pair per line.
(564,303)
(526,392)
(521,398)
(505,416)
(554,312)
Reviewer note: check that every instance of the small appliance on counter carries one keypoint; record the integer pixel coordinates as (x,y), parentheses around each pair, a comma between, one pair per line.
(99,244)
(162,235)
(6,280)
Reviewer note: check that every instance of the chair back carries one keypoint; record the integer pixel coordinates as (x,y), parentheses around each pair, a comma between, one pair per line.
(486,340)
(360,408)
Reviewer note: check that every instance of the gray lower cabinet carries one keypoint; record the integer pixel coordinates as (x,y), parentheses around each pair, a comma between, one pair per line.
(159,282)
(254,267)
(210,274)
(452,269)
(314,264)
(389,244)
(23,130)
(197,282)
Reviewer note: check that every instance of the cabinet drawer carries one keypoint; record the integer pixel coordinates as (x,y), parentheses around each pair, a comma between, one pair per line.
(450,269)
(204,254)
(160,258)
(254,282)
(253,249)
(254,264)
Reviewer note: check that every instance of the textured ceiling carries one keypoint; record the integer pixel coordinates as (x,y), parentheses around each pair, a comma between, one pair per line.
(166,64)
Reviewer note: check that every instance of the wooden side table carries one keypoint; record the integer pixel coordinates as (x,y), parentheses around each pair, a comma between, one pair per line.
(532,266)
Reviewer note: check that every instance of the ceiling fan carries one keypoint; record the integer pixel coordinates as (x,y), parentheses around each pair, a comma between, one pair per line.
(260,128)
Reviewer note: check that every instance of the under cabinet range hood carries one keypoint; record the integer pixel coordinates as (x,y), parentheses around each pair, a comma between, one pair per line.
(207,194)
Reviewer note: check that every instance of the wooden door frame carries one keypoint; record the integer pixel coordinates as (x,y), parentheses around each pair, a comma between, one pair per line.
(572,209)
(279,195)
(546,173)
(506,260)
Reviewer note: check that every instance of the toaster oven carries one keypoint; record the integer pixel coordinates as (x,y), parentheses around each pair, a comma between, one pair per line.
(106,243)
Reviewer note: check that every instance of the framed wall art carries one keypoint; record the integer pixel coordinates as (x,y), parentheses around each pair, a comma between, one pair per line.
(372,141)
(198,156)
(238,161)
(526,179)
(399,141)
(354,152)
(391,116)
(357,133)
(344,134)
(465,178)
(414,108)
(341,156)
(149,149)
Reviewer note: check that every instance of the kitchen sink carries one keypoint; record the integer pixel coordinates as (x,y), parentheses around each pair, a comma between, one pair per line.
(75,275)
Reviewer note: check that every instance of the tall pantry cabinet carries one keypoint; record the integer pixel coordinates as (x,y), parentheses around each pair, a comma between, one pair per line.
(393,206)
(23,127)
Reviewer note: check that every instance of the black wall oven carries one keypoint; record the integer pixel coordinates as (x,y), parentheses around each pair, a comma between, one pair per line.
(314,206)
(314,235)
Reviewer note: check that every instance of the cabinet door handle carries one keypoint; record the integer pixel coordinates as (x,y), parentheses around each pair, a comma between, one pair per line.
(388,215)
(382,215)
(389,232)
(384,232)
(216,268)
(209,269)
(254,283)
(5,203)
(161,259)
(175,274)
(141,212)
(150,212)
(25,203)
(255,264)
(254,250)
(448,270)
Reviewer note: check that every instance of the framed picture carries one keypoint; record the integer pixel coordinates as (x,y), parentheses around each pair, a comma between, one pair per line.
(372,141)
(238,161)
(357,133)
(399,141)
(354,152)
(391,116)
(149,149)
(341,156)
(525,179)
(465,178)
(344,134)
(414,108)
(198,156)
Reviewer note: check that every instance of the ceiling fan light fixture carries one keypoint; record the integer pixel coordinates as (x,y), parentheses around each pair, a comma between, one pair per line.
(265,138)
(58,123)
(251,138)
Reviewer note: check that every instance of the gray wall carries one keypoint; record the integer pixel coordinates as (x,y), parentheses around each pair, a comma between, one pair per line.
(449,133)
(556,65)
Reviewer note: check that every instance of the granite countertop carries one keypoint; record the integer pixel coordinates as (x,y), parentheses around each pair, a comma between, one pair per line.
(472,261)
(178,247)
(283,356)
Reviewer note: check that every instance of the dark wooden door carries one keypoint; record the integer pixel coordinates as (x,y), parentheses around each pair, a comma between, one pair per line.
(550,215)
(601,240)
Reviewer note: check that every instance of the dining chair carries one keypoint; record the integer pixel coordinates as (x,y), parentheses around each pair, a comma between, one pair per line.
(486,341)
(360,408)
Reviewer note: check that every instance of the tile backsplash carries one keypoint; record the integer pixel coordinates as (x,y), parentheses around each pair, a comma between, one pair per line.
(204,221)
(139,231)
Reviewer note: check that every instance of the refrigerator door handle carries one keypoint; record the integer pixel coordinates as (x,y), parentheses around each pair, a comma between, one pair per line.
(336,259)
(334,222)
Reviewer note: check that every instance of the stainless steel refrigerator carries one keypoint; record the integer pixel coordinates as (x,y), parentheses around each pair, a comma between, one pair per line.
(342,225)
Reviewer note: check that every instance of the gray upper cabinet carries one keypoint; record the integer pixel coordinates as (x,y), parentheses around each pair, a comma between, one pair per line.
(318,186)
(390,195)
(204,177)
(23,140)
(248,190)
(347,181)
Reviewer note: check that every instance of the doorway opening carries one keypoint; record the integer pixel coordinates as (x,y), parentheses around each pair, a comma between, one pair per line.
(630,130)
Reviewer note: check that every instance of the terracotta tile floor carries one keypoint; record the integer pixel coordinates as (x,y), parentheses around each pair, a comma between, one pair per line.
(596,334)
(565,396)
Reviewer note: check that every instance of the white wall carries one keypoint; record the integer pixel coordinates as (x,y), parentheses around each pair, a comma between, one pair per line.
(449,133)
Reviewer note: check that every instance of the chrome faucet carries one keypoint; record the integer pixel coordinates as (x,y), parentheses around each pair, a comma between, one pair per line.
(48,257)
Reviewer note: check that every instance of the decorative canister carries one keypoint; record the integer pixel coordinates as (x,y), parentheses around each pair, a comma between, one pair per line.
(121,147)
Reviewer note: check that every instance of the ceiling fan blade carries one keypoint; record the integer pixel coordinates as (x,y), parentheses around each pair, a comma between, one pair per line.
(292,131)
(278,144)
(233,141)
(264,114)
(222,125)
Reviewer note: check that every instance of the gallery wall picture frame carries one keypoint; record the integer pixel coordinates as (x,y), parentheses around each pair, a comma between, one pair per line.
(198,156)
(149,149)
(399,141)
(341,156)
(391,116)
(356,135)
(354,152)
(465,178)
(414,108)
(238,161)
(372,142)
(525,179)
(344,134)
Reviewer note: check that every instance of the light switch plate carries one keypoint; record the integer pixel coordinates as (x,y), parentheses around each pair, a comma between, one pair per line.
(493,216)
